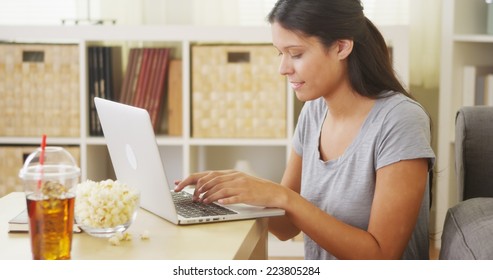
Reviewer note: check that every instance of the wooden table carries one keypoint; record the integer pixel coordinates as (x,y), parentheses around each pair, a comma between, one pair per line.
(245,239)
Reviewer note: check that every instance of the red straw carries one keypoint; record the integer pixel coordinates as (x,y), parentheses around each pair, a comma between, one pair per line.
(42,158)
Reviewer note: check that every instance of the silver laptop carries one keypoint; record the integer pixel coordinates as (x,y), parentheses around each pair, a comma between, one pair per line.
(137,162)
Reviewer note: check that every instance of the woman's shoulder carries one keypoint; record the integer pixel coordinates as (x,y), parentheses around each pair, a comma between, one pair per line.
(401,111)
(400,104)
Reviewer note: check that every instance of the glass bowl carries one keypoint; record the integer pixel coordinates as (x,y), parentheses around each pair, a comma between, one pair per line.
(105,208)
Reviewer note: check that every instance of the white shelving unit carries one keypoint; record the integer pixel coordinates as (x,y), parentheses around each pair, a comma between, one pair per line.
(464,42)
(185,154)
(181,155)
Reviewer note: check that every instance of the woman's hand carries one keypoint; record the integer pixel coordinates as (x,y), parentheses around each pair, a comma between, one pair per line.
(230,186)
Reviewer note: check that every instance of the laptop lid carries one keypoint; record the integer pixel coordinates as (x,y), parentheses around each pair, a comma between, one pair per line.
(135,155)
(137,162)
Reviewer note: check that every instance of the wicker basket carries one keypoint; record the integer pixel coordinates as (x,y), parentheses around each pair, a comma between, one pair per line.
(237,92)
(39,89)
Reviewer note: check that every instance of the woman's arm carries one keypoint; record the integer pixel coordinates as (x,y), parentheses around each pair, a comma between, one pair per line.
(231,186)
(399,191)
(398,194)
(282,227)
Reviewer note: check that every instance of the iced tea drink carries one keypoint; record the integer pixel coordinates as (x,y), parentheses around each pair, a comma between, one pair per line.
(49,177)
(51,225)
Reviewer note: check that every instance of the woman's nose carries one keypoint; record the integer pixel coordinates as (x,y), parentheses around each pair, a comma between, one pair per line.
(285,67)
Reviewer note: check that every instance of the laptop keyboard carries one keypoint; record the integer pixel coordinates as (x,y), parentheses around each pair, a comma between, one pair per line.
(188,208)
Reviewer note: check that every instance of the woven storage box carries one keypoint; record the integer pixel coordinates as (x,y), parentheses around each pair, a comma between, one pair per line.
(11,161)
(237,92)
(39,90)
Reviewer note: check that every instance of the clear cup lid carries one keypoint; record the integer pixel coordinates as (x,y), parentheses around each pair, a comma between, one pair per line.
(58,164)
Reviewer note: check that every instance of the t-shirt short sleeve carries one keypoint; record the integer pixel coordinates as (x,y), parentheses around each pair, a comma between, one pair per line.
(405,134)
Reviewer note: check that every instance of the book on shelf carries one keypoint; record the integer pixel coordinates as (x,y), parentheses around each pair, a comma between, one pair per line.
(473,84)
(126,77)
(147,99)
(135,77)
(113,72)
(489,18)
(104,66)
(20,223)
(125,96)
(99,85)
(91,66)
(145,79)
(488,90)
(158,94)
(175,98)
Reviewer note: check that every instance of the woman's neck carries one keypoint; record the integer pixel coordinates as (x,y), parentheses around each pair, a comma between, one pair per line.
(347,105)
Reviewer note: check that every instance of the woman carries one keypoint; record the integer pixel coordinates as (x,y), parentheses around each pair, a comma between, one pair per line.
(356,180)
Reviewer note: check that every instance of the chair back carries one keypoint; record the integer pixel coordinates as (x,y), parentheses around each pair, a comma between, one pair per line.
(468,225)
(474,152)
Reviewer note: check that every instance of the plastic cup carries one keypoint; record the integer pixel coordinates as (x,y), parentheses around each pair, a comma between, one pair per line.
(49,178)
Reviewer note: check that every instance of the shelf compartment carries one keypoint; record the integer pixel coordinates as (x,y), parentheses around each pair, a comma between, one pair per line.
(39,85)
(237,92)
(265,161)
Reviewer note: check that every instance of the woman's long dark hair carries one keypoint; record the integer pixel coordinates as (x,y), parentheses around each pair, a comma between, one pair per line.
(369,64)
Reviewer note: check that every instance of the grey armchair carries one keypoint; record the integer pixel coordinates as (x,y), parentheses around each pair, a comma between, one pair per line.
(468,227)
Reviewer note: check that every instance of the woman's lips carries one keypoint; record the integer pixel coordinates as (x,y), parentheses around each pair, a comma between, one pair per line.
(296,85)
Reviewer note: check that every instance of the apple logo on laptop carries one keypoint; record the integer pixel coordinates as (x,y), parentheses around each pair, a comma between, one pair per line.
(132,160)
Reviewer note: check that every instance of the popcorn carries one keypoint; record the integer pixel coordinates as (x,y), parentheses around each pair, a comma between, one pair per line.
(127,236)
(105,204)
(119,235)
(115,239)
(144,235)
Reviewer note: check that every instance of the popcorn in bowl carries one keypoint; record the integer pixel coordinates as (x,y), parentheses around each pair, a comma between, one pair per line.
(105,208)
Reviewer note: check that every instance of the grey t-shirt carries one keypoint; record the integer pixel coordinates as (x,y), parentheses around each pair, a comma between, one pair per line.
(397,128)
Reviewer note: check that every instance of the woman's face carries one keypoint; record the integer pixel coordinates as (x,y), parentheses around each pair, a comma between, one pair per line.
(312,69)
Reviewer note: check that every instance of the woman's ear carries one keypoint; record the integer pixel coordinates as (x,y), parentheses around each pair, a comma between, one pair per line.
(345,47)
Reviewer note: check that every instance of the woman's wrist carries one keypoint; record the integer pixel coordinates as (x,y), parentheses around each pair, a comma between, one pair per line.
(284,198)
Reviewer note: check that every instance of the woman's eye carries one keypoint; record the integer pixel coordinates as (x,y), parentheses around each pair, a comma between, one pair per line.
(292,55)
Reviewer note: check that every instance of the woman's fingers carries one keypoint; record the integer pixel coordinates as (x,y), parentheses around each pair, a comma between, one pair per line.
(202,180)
(190,180)
(223,194)
(229,187)
(234,188)
(211,181)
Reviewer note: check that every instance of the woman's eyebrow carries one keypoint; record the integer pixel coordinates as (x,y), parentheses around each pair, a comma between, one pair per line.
(288,47)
